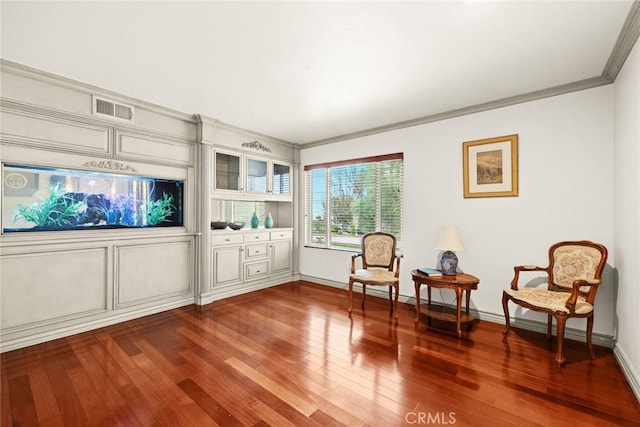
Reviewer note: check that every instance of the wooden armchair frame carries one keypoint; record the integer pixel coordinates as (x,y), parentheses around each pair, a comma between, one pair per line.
(565,297)
(378,259)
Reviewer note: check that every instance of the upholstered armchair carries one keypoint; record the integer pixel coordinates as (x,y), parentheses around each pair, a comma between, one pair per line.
(378,259)
(574,274)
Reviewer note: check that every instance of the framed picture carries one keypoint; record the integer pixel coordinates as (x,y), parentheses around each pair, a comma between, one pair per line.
(490,167)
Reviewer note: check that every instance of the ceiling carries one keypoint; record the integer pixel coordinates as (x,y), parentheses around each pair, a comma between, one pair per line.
(313,72)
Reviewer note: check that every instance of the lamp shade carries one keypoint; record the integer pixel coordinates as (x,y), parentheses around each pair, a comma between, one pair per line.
(450,240)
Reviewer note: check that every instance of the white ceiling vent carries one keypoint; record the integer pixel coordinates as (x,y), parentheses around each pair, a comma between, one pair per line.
(113,110)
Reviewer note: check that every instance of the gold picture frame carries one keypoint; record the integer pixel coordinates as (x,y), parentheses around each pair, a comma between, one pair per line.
(490,167)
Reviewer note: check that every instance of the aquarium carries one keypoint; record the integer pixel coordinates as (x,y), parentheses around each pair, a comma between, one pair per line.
(52,199)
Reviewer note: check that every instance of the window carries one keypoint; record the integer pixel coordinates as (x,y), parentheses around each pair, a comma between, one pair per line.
(345,200)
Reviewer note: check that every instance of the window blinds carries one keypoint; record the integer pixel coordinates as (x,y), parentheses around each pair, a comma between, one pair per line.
(345,200)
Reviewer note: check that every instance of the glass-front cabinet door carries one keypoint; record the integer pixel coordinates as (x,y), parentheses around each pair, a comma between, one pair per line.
(280,179)
(257,176)
(228,172)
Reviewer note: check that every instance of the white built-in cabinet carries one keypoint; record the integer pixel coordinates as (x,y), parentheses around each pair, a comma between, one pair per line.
(281,251)
(242,260)
(236,174)
(238,165)
(57,283)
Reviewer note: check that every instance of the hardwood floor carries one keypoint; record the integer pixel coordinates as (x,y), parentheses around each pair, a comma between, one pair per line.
(290,355)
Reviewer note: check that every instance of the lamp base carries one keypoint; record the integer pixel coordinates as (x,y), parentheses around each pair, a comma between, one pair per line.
(449,263)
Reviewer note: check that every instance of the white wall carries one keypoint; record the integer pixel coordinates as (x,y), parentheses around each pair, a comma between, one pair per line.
(565,172)
(626,183)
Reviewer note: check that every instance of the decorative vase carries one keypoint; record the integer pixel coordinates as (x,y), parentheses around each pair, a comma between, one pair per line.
(449,263)
(254,221)
(268,221)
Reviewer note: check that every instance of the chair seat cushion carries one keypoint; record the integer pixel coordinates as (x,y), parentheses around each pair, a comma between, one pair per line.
(374,276)
(550,300)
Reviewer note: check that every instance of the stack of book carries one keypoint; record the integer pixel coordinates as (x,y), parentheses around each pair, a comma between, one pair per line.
(430,271)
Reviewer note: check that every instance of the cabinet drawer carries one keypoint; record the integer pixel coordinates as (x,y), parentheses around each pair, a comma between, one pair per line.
(256,270)
(281,234)
(225,239)
(256,250)
(256,236)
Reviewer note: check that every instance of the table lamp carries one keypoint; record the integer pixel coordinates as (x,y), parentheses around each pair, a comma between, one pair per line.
(449,242)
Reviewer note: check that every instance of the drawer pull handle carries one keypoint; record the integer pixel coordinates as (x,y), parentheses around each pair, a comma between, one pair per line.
(257,237)
(227,240)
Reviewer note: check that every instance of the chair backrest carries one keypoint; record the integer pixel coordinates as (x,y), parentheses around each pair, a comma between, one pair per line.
(569,261)
(378,250)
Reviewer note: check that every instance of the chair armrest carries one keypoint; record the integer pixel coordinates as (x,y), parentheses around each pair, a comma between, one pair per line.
(518,268)
(353,261)
(398,265)
(529,267)
(575,291)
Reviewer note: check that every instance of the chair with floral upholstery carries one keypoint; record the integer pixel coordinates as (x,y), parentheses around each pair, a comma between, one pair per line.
(378,259)
(574,274)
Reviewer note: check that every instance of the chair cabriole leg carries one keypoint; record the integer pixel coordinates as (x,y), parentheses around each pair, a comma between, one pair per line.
(505,307)
(561,320)
(350,295)
(589,333)
(395,301)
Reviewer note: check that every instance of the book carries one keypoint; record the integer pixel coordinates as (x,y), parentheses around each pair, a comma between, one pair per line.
(430,271)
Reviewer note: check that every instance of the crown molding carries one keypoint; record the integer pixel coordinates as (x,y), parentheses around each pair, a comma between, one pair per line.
(491,105)
(66,82)
(624,44)
(627,38)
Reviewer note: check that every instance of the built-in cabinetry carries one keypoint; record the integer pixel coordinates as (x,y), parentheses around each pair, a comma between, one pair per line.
(242,260)
(144,243)
(239,166)
(105,261)
(237,174)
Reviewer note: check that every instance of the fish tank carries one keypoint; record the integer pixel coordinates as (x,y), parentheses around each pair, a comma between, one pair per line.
(52,199)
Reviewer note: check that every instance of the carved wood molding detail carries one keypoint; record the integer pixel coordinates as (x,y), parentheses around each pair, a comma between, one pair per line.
(256,145)
(111,165)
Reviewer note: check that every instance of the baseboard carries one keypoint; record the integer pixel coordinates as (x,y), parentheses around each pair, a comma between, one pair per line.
(243,289)
(529,325)
(112,319)
(630,374)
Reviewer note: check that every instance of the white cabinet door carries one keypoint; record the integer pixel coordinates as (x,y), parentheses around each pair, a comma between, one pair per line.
(257,177)
(227,265)
(227,172)
(281,256)
(281,180)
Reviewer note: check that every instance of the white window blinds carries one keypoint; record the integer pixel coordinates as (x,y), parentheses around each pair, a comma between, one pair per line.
(345,200)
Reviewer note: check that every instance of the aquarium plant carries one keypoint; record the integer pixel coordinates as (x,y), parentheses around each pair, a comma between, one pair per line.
(121,210)
(159,210)
(55,211)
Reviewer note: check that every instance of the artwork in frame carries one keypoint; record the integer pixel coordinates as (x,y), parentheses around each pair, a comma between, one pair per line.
(490,167)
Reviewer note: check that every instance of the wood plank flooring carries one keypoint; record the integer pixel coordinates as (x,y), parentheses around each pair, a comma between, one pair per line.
(291,356)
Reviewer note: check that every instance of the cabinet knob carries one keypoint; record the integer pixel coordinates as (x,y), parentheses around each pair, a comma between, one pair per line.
(258,237)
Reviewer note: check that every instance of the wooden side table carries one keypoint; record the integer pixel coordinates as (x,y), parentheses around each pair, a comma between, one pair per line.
(461,282)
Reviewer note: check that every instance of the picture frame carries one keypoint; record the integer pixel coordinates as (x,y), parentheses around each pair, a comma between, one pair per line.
(490,167)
